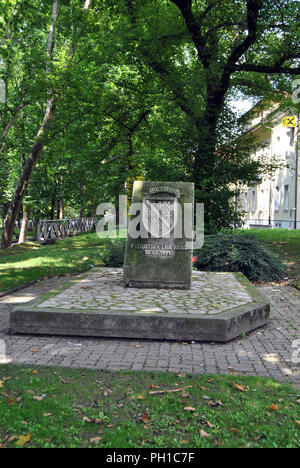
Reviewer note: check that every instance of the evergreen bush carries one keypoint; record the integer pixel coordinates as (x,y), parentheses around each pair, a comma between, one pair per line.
(220,252)
(113,254)
(231,252)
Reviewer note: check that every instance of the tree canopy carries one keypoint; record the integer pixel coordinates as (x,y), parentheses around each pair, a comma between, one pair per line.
(102,92)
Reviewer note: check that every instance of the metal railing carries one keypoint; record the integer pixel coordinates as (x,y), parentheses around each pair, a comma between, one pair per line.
(58,229)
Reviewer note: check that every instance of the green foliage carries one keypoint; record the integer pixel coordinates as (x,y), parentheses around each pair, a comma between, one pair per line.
(134,101)
(222,252)
(239,253)
(286,244)
(113,255)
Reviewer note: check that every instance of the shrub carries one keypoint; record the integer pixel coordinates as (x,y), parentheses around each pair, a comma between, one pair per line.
(113,254)
(221,252)
(231,252)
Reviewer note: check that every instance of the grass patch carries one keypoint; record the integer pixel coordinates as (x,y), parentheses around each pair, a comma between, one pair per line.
(84,408)
(286,244)
(31,261)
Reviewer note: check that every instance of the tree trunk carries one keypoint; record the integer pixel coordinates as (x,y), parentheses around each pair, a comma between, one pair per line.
(22,237)
(205,156)
(35,153)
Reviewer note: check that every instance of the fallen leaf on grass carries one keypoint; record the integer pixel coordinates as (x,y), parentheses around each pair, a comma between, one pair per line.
(146,418)
(38,398)
(297,422)
(95,440)
(23,440)
(233,429)
(274,407)
(215,404)
(203,433)
(218,443)
(189,408)
(240,388)
(1,383)
(86,419)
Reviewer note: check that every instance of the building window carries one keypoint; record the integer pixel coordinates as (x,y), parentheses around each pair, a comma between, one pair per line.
(277,198)
(253,200)
(286,199)
(246,201)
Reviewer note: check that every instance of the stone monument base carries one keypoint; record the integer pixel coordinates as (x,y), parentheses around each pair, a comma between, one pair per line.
(219,307)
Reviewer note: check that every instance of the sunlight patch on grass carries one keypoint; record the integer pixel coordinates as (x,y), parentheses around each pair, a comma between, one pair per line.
(32,261)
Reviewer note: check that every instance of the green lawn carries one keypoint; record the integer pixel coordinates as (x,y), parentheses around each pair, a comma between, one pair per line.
(42,407)
(285,243)
(32,261)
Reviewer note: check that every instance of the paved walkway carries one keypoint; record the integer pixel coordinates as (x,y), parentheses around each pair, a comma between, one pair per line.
(265,352)
(103,289)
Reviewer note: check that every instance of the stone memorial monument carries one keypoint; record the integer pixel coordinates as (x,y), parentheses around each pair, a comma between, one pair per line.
(215,306)
(159,242)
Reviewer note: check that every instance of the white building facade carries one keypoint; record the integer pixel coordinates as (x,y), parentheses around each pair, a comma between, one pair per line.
(275,202)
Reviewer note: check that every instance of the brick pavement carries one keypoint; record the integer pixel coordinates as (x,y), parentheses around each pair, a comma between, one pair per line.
(265,352)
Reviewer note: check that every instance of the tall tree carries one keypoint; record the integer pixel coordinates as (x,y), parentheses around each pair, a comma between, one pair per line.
(53,98)
(208,52)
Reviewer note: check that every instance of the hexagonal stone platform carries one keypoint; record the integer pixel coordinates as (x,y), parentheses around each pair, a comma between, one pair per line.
(218,307)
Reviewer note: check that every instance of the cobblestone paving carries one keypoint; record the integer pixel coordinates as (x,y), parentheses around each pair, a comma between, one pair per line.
(103,289)
(265,352)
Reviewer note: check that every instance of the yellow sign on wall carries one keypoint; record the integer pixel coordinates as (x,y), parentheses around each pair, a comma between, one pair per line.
(289,121)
